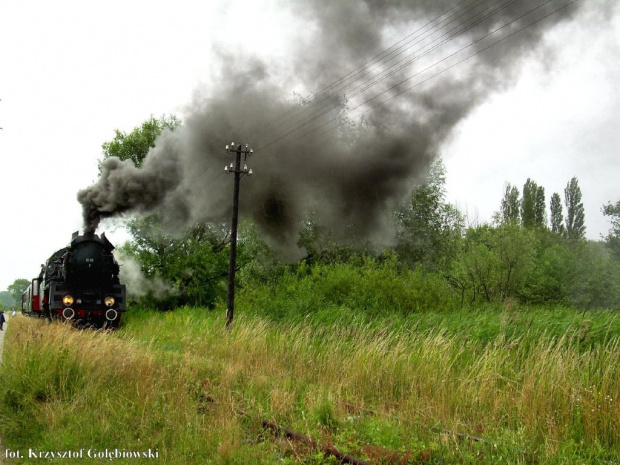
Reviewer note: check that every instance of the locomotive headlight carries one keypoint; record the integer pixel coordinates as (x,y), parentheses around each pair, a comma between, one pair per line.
(67,300)
(109,301)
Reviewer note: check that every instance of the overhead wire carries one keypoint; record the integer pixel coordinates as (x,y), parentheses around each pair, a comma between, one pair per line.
(377,58)
(330,105)
(432,49)
(330,101)
(458,62)
(349,111)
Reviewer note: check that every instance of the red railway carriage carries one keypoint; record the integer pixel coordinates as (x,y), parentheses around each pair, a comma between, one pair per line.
(31,303)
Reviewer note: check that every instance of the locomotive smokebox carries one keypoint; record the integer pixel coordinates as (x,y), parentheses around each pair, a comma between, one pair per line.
(90,260)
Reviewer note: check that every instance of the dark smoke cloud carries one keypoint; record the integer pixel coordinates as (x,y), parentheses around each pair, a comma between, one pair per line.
(351,178)
(122,187)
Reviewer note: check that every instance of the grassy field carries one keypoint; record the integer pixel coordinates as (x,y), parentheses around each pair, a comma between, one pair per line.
(499,385)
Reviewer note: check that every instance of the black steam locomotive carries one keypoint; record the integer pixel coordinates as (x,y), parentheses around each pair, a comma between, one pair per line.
(79,282)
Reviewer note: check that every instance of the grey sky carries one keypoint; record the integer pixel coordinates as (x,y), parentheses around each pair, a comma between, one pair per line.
(71,72)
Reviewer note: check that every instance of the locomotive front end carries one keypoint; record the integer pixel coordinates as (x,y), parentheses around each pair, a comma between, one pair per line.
(84,284)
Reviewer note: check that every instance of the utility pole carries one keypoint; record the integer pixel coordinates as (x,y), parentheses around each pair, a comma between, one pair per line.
(232,264)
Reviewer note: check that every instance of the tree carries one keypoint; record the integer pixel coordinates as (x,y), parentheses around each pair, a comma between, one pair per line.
(533,205)
(540,215)
(510,205)
(514,247)
(136,145)
(613,238)
(557,218)
(596,279)
(428,227)
(575,215)
(17,289)
(192,263)
(6,299)
(494,263)
(321,246)
(190,267)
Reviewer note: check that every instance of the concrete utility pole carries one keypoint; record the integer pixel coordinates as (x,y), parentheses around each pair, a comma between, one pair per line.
(232,264)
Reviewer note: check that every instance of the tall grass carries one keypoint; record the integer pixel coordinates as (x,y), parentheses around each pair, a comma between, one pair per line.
(385,392)
(64,389)
(545,392)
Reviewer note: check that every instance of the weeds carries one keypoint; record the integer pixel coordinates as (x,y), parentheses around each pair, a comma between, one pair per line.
(389,391)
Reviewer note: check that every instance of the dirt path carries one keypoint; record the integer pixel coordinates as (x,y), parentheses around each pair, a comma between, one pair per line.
(7,316)
(2,333)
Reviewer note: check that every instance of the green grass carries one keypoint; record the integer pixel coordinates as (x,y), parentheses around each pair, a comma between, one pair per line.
(535,385)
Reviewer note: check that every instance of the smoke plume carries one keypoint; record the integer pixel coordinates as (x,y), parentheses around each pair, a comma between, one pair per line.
(352,175)
(138,285)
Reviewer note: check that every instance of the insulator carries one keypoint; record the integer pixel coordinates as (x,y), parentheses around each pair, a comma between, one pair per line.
(250,172)
(227,147)
(226,168)
(245,168)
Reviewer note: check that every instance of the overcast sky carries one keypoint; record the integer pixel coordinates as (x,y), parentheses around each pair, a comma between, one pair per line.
(71,72)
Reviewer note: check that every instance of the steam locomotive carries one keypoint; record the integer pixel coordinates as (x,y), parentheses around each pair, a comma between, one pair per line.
(79,282)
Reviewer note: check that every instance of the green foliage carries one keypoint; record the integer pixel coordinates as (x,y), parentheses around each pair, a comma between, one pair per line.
(136,145)
(321,246)
(546,282)
(429,229)
(258,263)
(540,215)
(579,274)
(17,289)
(533,205)
(182,268)
(6,300)
(367,285)
(191,265)
(595,277)
(325,415)
(575,214)
(613,238)
(510,213)
(433,254)
(557,218)
(492,385)
(493,264)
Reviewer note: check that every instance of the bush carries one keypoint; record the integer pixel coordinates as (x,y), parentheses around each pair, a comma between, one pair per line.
(369,287)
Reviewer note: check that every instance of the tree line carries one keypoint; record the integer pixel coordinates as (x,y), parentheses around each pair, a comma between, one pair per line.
(531,252)
(12,297)
(528,208)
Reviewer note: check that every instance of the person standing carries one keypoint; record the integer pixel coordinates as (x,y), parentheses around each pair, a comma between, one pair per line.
(2,320)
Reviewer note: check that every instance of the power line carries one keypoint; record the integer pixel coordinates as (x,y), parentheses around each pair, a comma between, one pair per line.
(274,141)
(460,61)
(324,109)
(435,47)
(376,58)
(341,85)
